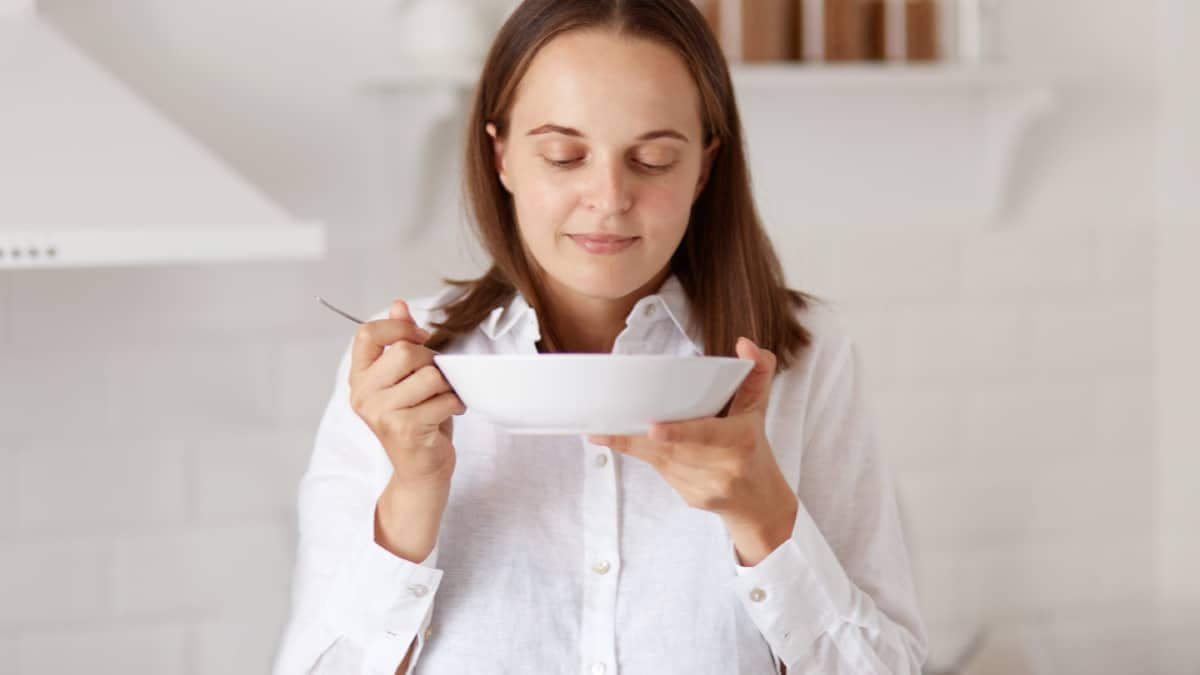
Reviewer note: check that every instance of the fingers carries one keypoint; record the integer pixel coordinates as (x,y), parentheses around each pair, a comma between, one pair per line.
(437,409)
(373,336)
(701,442)
(401,360)
(423,384)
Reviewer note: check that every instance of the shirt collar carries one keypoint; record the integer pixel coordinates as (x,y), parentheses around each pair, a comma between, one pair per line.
(669,303)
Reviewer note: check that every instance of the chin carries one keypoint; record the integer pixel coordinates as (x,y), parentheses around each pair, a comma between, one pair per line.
(612,283)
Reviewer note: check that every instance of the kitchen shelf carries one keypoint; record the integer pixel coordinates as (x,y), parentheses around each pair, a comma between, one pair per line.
(26,248)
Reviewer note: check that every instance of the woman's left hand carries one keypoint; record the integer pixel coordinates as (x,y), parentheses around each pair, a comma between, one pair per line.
(725,464)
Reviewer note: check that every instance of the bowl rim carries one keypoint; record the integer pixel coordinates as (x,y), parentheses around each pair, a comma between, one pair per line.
(593,357)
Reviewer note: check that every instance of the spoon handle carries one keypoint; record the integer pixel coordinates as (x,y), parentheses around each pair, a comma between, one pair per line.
(322,301)
(359,321)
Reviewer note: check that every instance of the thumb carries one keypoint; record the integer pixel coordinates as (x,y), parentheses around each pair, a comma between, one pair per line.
(399,310)
(756,388)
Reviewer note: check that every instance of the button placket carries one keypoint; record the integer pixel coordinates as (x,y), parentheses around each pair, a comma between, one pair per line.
(598,621)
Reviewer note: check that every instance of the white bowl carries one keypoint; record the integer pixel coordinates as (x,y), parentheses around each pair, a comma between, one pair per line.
(591,393)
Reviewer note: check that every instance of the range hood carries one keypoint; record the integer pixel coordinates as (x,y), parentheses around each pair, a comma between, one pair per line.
(91,175)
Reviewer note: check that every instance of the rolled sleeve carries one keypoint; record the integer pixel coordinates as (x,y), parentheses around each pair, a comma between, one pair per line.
(383,602)
(797,593)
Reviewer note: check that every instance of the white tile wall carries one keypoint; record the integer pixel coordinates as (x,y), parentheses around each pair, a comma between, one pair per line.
(109,484)
(8,486)
(204,570)
(159,647)
(8,652)
(250,475)
(239,646)
(54,579)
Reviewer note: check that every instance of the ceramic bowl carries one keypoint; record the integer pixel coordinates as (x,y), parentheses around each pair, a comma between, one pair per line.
(591,393)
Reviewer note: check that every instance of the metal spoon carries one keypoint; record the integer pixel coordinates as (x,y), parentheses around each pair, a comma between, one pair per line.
(359,321)
(322,301)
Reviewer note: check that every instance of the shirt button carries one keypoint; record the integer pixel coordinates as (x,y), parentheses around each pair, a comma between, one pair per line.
(598,668)
(428,632)
(601,567)
(601,460)
(758,594)
(418,590)
(649,311)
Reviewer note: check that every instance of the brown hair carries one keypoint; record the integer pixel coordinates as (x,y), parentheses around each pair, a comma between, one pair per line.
(725,262)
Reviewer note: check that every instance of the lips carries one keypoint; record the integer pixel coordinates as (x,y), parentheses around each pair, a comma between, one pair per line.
(603,243)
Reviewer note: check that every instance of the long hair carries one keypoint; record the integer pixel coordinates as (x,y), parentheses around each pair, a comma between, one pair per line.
(725,262)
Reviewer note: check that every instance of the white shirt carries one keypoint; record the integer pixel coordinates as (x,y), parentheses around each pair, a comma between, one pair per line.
(559,556)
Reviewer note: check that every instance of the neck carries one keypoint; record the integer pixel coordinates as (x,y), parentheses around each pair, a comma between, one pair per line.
(590,325)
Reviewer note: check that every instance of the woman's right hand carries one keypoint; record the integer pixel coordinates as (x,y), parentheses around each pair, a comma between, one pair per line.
(398,391)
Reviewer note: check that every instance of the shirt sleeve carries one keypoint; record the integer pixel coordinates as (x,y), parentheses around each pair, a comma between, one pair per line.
(356,607)
(838,597)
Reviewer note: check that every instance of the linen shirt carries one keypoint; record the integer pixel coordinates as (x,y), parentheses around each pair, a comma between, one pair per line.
(559,556)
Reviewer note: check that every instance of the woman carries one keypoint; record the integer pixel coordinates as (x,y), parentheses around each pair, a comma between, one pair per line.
(606,172)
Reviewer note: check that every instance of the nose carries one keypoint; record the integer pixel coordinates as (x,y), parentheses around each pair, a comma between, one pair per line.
(609,192)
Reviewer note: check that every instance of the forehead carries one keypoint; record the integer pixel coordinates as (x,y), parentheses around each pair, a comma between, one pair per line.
(600,80)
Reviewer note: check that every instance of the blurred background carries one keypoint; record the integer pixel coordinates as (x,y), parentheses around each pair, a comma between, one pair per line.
(999,195)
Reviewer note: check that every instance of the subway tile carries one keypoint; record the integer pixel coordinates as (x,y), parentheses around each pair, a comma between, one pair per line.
(960,341)
(181,390)
(1125,416)
(1027,576)
(919,426)
(886,265)
(113,482)
(305,375)
(8,651)
(1029,419)
(961,502)
(1110,334)
(1128,260)
(161,649)
(212,569)
(249,475)
(49,580)
(1178,249)
(245,645)
(8,486)
(5,310)
(1041,262)
(44,392)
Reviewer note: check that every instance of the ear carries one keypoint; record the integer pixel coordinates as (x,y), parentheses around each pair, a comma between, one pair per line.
(498,145)
(710,153)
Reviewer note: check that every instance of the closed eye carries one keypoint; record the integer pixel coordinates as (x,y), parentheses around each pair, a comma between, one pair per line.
(568,163)
(562,163)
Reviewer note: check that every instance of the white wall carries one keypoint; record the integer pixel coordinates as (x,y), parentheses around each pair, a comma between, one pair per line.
(1177,328)
(155,420)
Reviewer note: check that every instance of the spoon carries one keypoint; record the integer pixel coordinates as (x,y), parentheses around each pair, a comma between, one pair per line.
(359,321)
(323,302)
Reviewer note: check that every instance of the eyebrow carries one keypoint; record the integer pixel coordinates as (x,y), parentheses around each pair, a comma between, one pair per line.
(568,131)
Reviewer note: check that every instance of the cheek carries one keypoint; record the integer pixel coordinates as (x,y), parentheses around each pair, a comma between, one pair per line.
(543,206)
(666,206)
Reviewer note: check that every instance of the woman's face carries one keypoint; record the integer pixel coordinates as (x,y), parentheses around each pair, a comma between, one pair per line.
(605,142)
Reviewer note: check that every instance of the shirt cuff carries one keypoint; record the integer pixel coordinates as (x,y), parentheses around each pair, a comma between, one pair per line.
(797,593)
(384,601)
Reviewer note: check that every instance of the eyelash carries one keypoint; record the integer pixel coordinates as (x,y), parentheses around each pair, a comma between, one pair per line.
(567,164)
